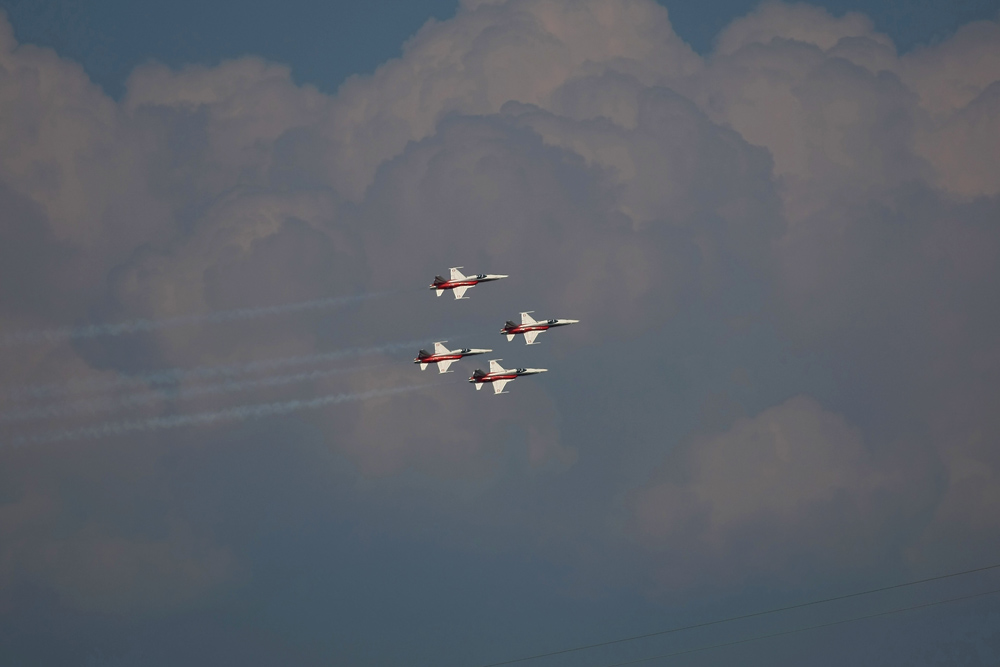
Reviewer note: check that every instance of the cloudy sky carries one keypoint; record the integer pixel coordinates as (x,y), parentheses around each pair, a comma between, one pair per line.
(779,225)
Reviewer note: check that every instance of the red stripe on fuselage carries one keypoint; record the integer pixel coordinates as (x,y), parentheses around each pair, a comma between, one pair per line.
(491,378)
(457,283)
(525,328)
(433,359)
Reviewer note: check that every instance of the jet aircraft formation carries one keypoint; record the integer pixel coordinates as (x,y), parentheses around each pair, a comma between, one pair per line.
(498,376)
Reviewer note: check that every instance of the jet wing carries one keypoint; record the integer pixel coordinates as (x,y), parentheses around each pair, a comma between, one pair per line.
(495,366)
(439,348)
(459,291)
(443,365)
(529,336)
(456,274)
(526,318)
(498,386)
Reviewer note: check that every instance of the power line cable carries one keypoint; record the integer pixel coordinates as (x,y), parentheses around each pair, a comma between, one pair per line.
(742,617)
(810,627)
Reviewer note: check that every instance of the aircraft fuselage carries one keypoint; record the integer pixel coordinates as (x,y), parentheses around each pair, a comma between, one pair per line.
(470,281)
(444,357)
(530,328)
(538,326)
(459,283)
(435,358)
(506,375)
(500,377)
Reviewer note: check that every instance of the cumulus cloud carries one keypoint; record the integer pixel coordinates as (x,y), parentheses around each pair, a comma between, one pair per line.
(951,74)
(799,22)
(790,489)
(804,210)
(780,76)
(488,55)
(964,148)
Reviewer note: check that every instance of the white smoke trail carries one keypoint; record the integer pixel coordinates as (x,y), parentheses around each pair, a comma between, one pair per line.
(237,413)
(111,404)
(171,376)
(144,325)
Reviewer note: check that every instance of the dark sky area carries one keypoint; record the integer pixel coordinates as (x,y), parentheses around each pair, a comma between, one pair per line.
(778,227)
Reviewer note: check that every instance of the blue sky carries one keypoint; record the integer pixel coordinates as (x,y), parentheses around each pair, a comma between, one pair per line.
(325,42)
(777,226)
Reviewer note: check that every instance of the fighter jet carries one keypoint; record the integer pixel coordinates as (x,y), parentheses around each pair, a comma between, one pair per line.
(530,328)
(500,376)
(444,357)
(459,283)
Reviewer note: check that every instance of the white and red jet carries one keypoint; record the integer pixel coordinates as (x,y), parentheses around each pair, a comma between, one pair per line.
(458,283)
(531,328)
(444,357)
(500,376)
